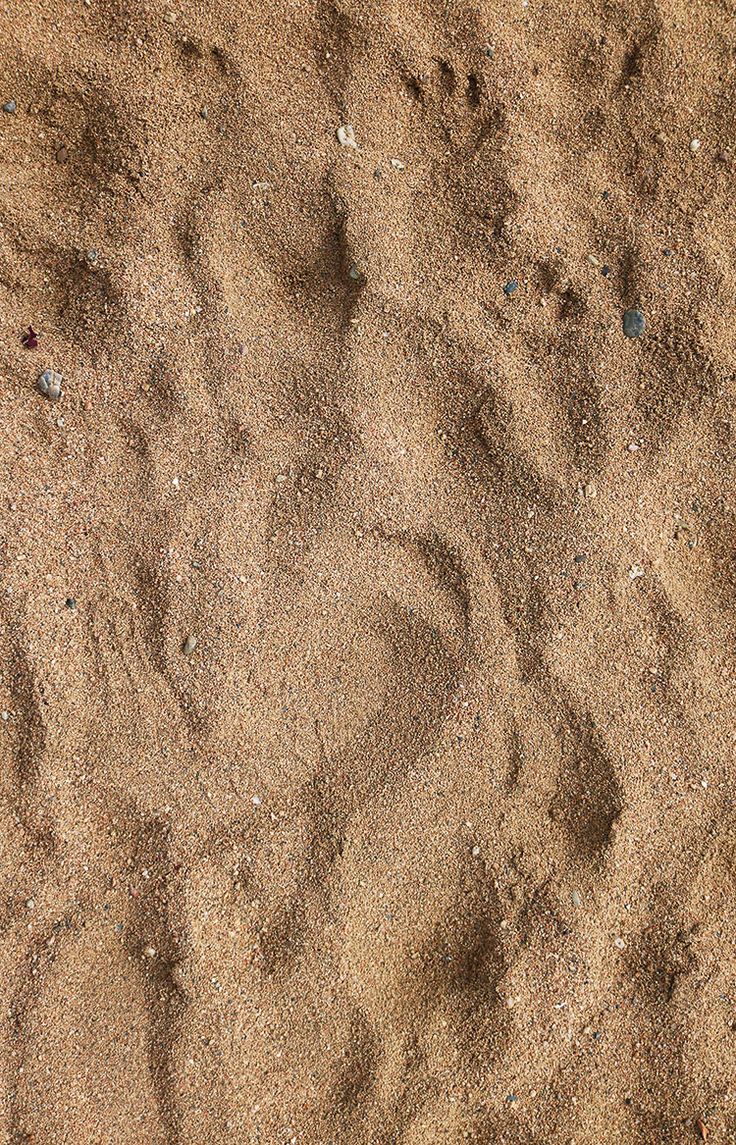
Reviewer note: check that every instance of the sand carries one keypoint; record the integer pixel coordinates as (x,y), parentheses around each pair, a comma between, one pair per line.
(367,631)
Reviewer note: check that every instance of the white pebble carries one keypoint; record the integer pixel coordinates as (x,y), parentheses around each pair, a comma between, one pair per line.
(635,572)
(346,136)
(150,951)
(398,165)
(476,852)
(30,904)
(619,943)
(695,145)
(256,801)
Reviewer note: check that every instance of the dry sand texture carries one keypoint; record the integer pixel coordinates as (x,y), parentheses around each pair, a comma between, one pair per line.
(430,836)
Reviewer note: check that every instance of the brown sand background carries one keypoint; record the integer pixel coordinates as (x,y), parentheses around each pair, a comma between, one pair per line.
(431,837)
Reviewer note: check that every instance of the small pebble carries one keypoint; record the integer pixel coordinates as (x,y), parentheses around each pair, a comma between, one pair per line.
(169,18)
(510,287)
(605,271)
(398,165)
(4,716)
(695,145)
(476,852)
(635,572)
(189,645)
(590,490)
(204,113)
(633,323)
(92,256)
(256,801)
(30,904)
(49,384)
(150,951)
(346,136)
(666,252)
(70,602)
(577,898)
(619,943)
(579,558)
(355,273)
(10,106)
(62,155)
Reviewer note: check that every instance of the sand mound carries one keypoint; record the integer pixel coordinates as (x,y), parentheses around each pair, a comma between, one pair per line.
(367,596)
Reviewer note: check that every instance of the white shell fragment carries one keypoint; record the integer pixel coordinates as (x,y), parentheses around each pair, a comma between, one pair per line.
(49,384)
(346,136)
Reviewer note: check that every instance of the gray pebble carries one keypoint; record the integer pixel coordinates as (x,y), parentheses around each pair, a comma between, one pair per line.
(92,256)
(10,106)
(49,384)
(510,287)
(634,323)
(189,645)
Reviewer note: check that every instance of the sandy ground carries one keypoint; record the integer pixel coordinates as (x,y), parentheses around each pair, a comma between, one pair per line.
(367,630)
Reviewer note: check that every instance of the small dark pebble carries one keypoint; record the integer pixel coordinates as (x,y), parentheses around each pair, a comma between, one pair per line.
(633,323)
(628,1101)
(510,287)
(488,52)
(10,106)
(606,195)
(204,113)
(666,252)
(511,1097)
(580,557)
(605,271)
(71,602)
